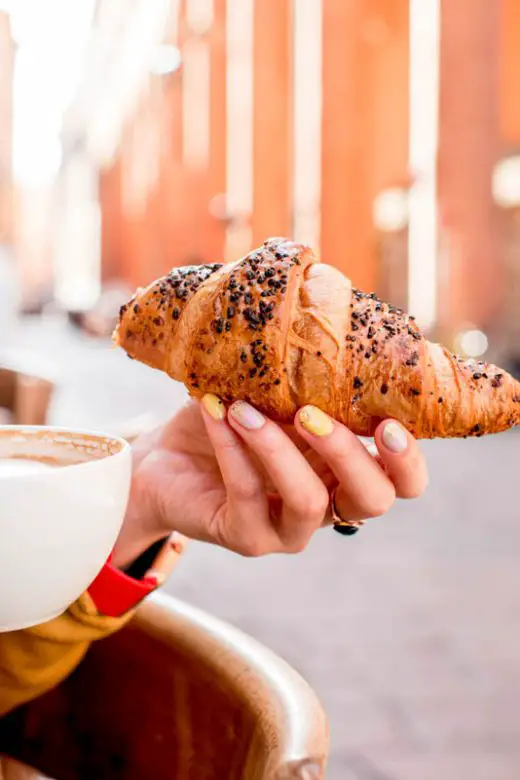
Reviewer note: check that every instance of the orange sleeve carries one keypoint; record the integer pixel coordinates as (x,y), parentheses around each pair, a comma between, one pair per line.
(34,660)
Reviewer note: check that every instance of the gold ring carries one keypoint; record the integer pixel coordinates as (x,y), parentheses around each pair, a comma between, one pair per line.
(345,527)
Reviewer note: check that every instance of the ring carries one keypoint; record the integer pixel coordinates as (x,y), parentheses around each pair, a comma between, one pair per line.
(344,527)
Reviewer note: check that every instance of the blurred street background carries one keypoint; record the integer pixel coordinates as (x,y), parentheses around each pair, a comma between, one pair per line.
(136,135)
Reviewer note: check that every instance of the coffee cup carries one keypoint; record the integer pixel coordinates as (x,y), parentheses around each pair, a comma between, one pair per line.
(63,496)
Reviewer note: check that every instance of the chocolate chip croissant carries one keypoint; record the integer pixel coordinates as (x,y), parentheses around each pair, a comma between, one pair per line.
(281,330)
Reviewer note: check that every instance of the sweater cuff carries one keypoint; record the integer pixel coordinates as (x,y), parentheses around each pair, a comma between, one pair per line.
(114,592)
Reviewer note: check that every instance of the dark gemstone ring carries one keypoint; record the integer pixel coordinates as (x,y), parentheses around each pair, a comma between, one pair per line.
(343,527)
(345,530)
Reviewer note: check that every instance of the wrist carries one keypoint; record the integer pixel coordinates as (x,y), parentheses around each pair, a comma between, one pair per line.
(141,526)
(131,544)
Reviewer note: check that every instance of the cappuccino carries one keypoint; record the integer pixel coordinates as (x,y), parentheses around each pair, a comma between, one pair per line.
(63,496)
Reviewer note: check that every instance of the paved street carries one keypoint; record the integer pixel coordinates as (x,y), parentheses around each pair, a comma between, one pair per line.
(409,632)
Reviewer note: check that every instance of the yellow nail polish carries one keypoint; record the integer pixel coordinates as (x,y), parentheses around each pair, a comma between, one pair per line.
(315,421)
(214,406)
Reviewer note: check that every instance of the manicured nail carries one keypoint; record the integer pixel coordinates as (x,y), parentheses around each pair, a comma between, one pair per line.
(247,416)
(394,437)
(214,406)
(158,577)
(315,421)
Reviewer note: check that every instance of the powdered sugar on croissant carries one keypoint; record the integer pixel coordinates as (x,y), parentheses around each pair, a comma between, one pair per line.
(281,330)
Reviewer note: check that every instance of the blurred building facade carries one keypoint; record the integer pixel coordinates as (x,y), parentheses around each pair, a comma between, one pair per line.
(372,130)
(8,280)
(6,130)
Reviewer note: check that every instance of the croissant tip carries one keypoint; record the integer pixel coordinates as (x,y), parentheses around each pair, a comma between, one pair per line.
(116,338)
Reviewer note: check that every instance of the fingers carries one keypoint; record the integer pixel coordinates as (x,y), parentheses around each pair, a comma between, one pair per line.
(403,460)
(368,486)
(242,523)
(364,489)
(246,524)
(304,496)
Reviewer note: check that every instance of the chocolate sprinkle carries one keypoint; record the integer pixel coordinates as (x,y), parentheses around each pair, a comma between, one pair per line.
(413,359)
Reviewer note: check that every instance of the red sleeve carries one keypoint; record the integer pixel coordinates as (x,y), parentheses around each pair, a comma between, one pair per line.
(114,593)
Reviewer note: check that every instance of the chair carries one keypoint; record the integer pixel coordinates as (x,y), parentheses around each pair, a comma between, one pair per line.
(24,397)
(177,695)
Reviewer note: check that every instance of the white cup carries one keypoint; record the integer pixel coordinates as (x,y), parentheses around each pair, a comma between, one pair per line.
(63,496)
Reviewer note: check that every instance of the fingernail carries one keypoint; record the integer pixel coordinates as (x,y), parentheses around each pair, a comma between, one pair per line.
(214,406)
(157,576)
(315,421)
(247,415)
(394,437)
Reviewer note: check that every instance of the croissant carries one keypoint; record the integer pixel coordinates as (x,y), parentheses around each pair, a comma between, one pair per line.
(281,330)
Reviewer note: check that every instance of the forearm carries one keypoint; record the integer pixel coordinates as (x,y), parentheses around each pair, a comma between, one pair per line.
(141,527)
(138,532)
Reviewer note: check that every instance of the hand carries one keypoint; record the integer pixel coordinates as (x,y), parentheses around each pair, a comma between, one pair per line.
(237,479)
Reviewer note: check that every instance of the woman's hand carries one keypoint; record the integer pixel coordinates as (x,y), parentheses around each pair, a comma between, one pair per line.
(237,479)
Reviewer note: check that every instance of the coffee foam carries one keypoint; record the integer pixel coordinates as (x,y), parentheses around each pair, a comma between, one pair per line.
(55,447)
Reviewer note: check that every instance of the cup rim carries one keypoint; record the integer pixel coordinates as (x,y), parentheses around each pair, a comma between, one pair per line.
(124,447)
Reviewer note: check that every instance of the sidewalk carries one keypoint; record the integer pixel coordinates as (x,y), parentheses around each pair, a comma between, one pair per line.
(409,631)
